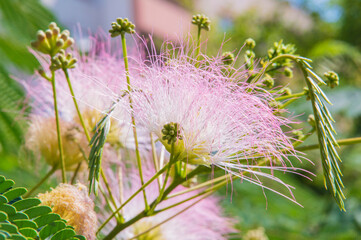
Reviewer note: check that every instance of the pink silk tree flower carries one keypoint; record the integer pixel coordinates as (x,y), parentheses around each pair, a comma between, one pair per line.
(208,117)
(97,80)
(204,220)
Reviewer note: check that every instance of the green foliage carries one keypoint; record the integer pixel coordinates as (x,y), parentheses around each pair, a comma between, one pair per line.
(25,219)
(20,20)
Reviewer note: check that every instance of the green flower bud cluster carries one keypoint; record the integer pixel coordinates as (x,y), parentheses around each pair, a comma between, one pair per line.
(298,134)
(250,43)
(121,26)
(268,81)
(171,132)
(280,48)
(228,58)
(286,91)
(311,120)
(52,40)
(332,79)
(62,61)
(202,21)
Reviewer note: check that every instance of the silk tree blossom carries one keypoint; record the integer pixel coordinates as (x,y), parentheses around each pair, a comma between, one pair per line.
(204,220)
(97,79)
(212,118)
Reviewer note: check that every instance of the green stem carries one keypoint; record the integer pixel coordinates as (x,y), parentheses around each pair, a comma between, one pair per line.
(75,173)
(208,190)
(155,159)
(52,170)
(170,218)
(76,104)
(87,133)
(205,184)
(125,57)
(341,142)
(60,144)
(144,213)
(134,194)
(198,46)
(291,96)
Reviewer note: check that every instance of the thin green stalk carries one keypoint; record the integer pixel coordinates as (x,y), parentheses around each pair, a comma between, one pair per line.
(170,218)
(72,181)
(205,184)
(87,133)
(288,103)
(155,159)
(60,144)
(125,57)
(198,44)
(300,94)
(76,104)
(172,160)
(208,190)
(52,170)
(145,213)
(341,142)
(134,194)
(112,207)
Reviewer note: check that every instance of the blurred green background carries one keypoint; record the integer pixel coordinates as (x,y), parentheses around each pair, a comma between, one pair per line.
(333,41)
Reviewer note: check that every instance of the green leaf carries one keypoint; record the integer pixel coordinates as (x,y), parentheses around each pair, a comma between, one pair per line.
(3,199)
(37,211)
(79,237)
(51,228)
(2,236)
(18,216)
(15,193)
(64,234)
(8,209)
(6,185)
(26,203)
(25,224)
(46,219)
(17,237)
(2,179)
(28,232)
(8,228)
(3,216)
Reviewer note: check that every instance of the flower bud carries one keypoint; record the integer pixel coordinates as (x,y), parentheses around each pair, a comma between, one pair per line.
(52,25)
(228,58)
(332,79)
(311,120)
(286,91)
(250,43)
(268,81)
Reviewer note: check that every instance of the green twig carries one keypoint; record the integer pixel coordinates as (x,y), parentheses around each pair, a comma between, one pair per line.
(52,170)
(60,144)
(125,57)
(341,142)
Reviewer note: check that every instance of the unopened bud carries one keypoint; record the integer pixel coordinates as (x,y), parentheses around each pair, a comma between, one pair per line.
(228,58)
(311,120)
(268,81)
(48,34)
(250,43)
(298,134)
(250,54)
(286,91)
(332,79)
(52,25)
